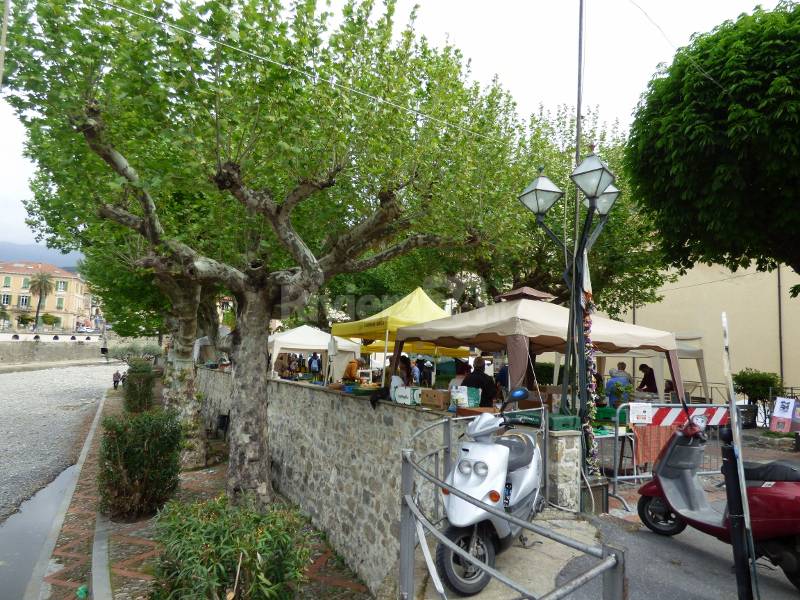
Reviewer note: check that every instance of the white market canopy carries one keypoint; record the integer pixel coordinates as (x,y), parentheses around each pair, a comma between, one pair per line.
(544,324)
(308,339)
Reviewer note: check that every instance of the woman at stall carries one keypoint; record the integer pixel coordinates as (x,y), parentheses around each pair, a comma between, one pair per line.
(402,378)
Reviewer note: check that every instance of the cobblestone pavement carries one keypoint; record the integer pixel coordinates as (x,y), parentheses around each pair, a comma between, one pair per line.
(43,415)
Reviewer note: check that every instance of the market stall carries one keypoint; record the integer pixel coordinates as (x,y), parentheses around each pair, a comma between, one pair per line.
(306,339)
(380,329)
(686,351)
(527,327)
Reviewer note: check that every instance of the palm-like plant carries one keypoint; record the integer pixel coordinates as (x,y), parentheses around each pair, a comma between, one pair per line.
(42,285)
(4,316)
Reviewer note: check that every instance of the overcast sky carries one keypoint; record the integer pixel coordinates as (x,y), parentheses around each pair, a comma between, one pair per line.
(530,44)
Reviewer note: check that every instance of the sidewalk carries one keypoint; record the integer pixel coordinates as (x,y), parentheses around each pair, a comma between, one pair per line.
(124,554)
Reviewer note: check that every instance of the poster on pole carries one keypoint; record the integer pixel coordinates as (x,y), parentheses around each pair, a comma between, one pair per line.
(782,414)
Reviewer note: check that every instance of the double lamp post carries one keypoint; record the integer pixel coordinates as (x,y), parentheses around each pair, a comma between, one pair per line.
(593,177)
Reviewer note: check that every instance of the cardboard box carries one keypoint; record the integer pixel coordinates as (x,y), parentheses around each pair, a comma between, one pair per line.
(408,395)
(439,399)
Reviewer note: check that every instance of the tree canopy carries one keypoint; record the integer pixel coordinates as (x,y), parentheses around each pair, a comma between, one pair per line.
(713,150)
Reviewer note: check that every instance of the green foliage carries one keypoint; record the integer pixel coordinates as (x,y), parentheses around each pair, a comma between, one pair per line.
(24,319)
(139,462)
(49,319)
(713,150)
(205,544)
(130,297)
(134,352)
(139,386)
(42,285)
(757,385)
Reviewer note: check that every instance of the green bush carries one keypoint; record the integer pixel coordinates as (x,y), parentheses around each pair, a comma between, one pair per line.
(139,386)
(139,462)
(204,542)
(757,385)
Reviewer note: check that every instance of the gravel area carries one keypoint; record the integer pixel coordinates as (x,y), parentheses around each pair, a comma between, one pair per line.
(42,418)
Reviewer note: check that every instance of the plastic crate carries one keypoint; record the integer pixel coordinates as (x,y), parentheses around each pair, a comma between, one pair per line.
(564,423)
(607,413)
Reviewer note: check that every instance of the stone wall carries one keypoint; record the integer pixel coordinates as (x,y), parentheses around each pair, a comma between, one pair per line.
(339,460)
(16,352)
(563,469)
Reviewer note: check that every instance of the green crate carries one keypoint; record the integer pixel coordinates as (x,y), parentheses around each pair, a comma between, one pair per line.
(532,417)
(564,423)
(607,413)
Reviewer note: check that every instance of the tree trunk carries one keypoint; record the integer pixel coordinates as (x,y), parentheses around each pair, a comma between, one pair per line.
(248,465)
(179,374)
(38,310)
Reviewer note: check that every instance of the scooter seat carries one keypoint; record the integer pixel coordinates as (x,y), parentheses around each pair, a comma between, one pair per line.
(520,449)
(777,470)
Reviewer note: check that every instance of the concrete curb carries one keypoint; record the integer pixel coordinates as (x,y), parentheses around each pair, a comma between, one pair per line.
(34,589)
(101,576)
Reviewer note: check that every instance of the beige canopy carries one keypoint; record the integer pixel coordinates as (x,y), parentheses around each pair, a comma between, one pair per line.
(545,325)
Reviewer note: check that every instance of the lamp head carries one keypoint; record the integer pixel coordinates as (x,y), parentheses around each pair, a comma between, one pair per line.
(540,195)
(592,176)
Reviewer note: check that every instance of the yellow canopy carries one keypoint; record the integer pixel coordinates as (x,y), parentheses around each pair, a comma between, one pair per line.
(418,348)
(415,308)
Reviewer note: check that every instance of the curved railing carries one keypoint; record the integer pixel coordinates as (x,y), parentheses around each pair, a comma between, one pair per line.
(415,526)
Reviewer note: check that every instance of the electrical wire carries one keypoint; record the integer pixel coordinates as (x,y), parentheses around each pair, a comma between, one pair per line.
(674,47)
(311,76)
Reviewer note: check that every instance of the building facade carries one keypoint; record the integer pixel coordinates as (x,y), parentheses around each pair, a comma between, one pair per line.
(70,302)
(763,319)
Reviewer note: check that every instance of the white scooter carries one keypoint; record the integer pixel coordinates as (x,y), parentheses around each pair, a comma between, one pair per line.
(499,470)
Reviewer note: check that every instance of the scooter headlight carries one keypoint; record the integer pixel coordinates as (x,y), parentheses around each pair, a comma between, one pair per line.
(465,468)
(480,468)
(700,421)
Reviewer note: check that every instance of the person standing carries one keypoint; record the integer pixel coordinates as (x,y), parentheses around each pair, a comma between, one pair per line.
(648,383)
(400,379)
(116,378)
(621,372)
(479,379)
(416,373)
(314,366)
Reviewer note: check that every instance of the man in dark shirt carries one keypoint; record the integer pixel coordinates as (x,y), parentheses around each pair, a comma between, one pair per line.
(479,379)
(648,383)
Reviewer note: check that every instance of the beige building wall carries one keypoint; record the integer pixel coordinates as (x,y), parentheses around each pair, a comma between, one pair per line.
(70,301)
(694,303)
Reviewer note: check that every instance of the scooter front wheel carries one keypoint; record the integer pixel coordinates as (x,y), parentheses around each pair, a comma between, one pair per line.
(658,517)
(460,575)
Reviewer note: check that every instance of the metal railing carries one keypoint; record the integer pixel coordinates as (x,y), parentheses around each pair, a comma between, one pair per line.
(415,526)
(642,470)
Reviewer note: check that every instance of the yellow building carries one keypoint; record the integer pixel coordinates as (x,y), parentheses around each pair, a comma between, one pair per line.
(70,302)
(764,321)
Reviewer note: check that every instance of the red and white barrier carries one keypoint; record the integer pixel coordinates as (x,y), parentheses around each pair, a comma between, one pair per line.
(666,416)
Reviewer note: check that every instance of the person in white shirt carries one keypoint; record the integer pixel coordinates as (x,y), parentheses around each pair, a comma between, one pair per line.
(400,379)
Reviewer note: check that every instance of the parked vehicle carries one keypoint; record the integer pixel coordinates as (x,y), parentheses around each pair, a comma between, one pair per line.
(675,498)
(503,470)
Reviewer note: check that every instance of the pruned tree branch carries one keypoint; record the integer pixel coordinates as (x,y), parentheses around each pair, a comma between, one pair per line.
(422,240)
(308,187)
(229,178)
(194,264)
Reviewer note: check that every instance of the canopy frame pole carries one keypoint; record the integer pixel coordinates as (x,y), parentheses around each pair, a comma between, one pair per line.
(675,372)
(385,352)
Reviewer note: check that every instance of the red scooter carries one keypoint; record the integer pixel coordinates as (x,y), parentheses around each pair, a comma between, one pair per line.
(675,498)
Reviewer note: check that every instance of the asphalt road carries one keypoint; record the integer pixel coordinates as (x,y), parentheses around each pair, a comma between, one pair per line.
(689,566)
(41,417)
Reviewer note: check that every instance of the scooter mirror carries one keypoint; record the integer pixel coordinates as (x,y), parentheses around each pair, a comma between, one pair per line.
(515,395)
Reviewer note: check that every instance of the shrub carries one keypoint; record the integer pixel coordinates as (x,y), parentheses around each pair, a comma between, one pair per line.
(206,543)
(139,386)
(757,385)
(139,462)
(133,352)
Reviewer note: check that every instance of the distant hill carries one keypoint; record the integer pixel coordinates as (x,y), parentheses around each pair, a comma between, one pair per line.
(39,253)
